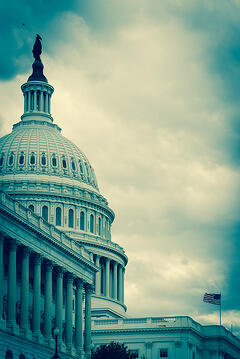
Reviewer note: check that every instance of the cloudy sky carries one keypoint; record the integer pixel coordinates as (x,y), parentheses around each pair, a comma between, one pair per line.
(150,91)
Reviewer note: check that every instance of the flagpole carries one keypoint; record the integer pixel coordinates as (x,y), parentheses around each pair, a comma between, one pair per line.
(220,309)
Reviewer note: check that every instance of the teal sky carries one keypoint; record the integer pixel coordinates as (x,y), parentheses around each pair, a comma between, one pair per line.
(150,92)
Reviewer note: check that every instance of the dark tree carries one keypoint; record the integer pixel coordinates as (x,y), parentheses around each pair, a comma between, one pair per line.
(112,351)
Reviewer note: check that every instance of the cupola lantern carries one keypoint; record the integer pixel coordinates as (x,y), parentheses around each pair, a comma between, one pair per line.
(36,91)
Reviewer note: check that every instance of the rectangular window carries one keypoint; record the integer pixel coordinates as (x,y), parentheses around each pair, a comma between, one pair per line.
(134,353)
(164,353)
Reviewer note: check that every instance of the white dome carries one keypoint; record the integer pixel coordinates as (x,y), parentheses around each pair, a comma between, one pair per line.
(35,147)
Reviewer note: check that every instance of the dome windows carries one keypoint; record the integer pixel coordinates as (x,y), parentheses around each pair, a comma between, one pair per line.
(43,159)
(1,159)
(58,216)
(91,223)
(11,158)
(54,161)
(82,221)
(21,159)
(70,218)
(64,163)
(45,213)
(32,159)
(81,167)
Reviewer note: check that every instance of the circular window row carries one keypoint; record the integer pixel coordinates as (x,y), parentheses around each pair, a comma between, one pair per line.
(83,167)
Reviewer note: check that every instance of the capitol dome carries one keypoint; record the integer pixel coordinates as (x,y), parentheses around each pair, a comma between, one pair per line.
(52,177)
(34,148)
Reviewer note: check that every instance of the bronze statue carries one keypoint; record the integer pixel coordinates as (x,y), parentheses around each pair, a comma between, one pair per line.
(37,48)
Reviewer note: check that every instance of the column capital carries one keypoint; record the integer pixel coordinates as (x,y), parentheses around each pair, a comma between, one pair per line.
(79,283)
(37,258)
(59,271)
(49,266)
(12,244)
(89,289)
(2,236)
(69,277)
(25,251)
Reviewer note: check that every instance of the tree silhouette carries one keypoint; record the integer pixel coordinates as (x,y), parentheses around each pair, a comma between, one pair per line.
(112,351)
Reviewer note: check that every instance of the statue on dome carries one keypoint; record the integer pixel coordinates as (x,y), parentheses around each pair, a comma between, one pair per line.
(37,48)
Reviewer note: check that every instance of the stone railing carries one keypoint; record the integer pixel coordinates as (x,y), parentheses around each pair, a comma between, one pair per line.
(44,226)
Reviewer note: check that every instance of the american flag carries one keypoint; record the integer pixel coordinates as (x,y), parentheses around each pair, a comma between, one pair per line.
(212,298)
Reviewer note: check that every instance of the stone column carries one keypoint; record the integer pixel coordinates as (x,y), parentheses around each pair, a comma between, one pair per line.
(48,303)
(24,325)
(107,268)
(37,296)
(11,315)
(87,338)
(1,276)
(35,100)
(59,303)
(25,101)
(98,276)
(49,103)
(29,100)
(79,318)
(120,283)
(115,282)
(41,101)
(68,313)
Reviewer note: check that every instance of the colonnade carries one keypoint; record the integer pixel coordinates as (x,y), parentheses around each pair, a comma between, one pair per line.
(110,278)
(37,100)
(48,276)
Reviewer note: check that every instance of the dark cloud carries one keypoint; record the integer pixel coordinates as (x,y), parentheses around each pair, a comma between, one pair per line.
(20,21)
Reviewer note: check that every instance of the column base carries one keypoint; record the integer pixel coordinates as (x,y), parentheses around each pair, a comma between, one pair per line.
(13,328)
(69,349)
(26,332)
(50,342)
(61,346)
(38,337)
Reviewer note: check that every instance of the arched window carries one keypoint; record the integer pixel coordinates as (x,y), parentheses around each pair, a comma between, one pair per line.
(64,163)
(32,159)
(1,159)
(58,216)
(45,212)
(21,356)
(73,166)
(9,355)
(54,161)
(81,167)
(82,221)
(10,162)
(44,161)
(99,226)
(70,218)
(31,207)
(21,159)
(91,223)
